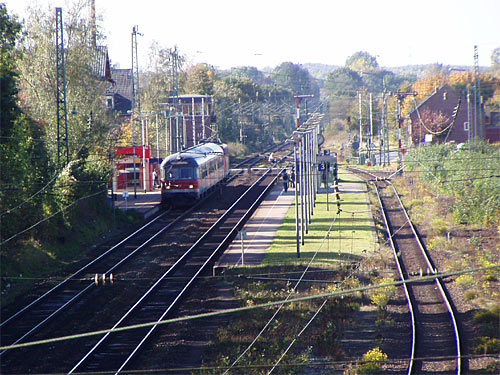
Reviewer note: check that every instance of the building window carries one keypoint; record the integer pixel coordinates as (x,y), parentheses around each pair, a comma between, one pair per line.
(444,95)
(110,103)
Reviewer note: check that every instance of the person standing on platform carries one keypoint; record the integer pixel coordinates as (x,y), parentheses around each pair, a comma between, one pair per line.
(285,178)
(155,178)
(292,178)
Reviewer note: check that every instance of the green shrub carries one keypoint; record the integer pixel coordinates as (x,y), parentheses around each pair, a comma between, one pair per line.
(465,280)
(381,296)
(439,226)
(487,345)
(372,362)
(489,322)
(470,295)
(436,243)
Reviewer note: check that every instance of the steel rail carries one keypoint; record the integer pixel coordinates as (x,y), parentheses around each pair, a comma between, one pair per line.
(438,282)
(430,265)
(78,272)
(81,271)
(171,269)
(202,268)
(405,287)
(93,284)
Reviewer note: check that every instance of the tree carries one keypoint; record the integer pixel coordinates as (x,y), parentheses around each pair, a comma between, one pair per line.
(295,78)
(199,79)
(435,123)
(343,82)
(9,31)
(156,80)
(488,83)
(362,62)
(495,61)
(23,157)
(85,89)
(249,72)
(242,104)
(435,69)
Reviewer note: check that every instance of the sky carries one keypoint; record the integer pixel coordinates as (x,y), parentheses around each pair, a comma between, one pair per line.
(265,33)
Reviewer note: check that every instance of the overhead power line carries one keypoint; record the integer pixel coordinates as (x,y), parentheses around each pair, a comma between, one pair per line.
(338,293)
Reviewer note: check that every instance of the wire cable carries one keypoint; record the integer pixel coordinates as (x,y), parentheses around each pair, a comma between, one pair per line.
(337,293)
(276,312)
(51,216)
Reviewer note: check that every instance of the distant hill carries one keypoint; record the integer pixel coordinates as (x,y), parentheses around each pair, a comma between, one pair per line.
(320,71)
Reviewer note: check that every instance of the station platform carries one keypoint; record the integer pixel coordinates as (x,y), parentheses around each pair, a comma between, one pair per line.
(145,202)
(259,231)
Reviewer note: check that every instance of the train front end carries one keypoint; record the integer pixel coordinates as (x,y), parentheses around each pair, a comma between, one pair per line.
(179,181)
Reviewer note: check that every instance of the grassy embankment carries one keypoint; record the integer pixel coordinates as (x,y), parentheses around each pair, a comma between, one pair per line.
(30,261)
(333,237)
(335,240)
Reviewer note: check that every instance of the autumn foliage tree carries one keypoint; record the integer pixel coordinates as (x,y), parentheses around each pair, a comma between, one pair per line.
(435,123)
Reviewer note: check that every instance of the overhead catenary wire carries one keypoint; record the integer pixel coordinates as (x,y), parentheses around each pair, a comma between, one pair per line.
(313,317)
(279,308)
(253,307)
(51,216)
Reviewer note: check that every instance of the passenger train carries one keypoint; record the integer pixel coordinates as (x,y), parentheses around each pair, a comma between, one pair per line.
(190,174)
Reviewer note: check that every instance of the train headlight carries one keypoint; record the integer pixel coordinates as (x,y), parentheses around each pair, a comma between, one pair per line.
(191,186)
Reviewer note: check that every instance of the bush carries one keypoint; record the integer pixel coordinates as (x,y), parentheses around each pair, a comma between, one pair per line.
(439,226)
(487,345)
(465,280)
(464,175)
(470,295)
(489,322)
(381,296)
(372,362)
(436,243)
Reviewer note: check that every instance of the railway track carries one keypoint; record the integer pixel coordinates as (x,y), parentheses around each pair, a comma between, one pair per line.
(56,313)
(114,351)
(24,323)
(435,344)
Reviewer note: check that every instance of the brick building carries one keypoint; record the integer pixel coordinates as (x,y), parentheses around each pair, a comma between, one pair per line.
(445,116)
(193,122)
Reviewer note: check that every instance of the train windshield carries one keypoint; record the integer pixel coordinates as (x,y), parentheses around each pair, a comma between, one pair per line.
(181,173)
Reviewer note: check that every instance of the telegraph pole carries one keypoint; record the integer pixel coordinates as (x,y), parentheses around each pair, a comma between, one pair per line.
(61,106)
(360,124)
(400,96)
(298,98)
(296,184)
(477,97)
(371,127)
(136,101)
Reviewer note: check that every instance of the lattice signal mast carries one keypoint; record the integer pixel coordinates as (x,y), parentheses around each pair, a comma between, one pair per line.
(136,99)
(61,107)
(477,97)
(178,136)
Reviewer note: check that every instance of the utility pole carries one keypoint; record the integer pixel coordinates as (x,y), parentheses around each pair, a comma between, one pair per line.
(360,124)
(400,96)
(136,101)
(477,97)
(298,98)
(371,128)
(176,139)
(61,106)
(296,184)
